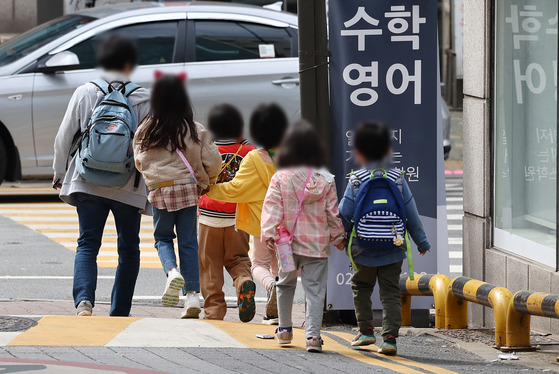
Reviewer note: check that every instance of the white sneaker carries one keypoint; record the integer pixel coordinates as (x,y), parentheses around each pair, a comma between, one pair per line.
(192,307)
(175,282)
(270,321)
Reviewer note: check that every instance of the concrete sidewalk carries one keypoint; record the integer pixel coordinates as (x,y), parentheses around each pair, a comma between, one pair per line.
(57,344)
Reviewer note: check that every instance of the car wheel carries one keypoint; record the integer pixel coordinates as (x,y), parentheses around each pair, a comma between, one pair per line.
(3,161)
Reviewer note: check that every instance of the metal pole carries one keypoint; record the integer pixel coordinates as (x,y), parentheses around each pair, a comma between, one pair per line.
(313,66)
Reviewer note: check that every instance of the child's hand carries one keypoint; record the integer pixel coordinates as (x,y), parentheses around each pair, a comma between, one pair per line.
(202,191)
(342,245)
(271,245)
(423,253)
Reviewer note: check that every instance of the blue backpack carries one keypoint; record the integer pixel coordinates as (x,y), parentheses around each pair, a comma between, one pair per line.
(105,154)
(380,213)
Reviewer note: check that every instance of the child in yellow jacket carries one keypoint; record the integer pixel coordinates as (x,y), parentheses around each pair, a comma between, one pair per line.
(248,189)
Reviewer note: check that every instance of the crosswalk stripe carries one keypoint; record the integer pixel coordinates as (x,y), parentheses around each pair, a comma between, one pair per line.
(456,269)
(456,241)
(454,217)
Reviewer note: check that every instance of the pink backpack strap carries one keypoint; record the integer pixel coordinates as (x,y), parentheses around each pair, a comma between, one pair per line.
(309,173)
(190,169)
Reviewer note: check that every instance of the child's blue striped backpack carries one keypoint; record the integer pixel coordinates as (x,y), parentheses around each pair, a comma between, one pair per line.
(380,214)
(379,220)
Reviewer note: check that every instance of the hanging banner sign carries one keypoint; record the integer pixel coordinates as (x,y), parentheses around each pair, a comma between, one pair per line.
(384,67)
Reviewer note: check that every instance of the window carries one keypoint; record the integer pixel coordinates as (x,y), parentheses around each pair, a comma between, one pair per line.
(525,115)
(156,43)
(224,40)
(28,42)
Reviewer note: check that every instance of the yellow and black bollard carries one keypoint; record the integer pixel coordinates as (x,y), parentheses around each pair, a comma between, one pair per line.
(524,304)
(424,285)
(464,289)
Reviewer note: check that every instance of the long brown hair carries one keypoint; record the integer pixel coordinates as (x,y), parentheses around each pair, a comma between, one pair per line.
(171,116)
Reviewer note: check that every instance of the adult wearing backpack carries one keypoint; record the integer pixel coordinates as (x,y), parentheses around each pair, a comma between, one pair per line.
(92,168)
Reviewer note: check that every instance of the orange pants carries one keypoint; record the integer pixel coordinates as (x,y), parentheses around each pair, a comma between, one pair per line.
(221,247)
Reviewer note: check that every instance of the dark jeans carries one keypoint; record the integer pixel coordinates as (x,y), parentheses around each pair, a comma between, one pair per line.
(92,213)
(363,283)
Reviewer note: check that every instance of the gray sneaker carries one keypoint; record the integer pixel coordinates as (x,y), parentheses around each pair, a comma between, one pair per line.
(84,309)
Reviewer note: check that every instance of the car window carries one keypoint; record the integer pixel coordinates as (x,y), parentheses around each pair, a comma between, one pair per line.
(155,40)
(28,42)
(228,40)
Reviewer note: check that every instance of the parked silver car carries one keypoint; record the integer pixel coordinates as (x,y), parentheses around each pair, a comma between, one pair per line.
(232,53)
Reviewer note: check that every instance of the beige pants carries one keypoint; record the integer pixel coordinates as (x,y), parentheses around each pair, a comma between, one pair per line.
(264,264)
(221,247)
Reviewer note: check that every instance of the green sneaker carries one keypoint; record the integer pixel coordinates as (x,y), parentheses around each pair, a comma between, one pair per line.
(389,346)
(246,303)
(364,339)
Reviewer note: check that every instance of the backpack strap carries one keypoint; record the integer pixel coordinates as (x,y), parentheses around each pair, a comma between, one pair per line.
(309,173)
(102,85)
(231,160)
(352,236)
(129,88)
(410,256)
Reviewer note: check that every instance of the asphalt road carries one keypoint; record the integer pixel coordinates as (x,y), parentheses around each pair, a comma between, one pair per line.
(32,266)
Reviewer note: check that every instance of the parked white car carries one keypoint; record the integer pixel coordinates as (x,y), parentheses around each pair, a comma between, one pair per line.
(243,55)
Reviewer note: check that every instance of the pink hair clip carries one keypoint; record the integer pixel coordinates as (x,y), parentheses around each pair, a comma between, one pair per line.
(157,74)
(182,76)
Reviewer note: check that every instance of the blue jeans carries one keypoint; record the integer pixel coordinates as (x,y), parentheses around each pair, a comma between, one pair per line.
(185,222)
(92,213)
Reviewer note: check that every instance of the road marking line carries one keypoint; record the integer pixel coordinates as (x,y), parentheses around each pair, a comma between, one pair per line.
(67,331)
(401,360)
(454,254)
(454,227)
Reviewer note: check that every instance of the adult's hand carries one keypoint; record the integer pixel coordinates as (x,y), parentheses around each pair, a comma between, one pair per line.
(56,183)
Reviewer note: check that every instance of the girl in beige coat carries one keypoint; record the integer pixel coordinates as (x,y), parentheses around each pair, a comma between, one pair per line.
(179,161)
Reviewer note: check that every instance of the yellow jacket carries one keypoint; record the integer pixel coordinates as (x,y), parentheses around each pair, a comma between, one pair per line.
(248,189)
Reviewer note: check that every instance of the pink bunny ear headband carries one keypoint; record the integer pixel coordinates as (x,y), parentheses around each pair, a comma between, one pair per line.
(158,74)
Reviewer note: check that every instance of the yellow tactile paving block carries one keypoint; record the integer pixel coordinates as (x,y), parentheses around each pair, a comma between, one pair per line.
(68,331)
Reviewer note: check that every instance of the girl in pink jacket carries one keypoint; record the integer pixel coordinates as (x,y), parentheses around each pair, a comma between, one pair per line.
(301,173)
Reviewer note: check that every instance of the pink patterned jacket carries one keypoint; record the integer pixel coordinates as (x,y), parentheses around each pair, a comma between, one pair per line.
(318,224)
